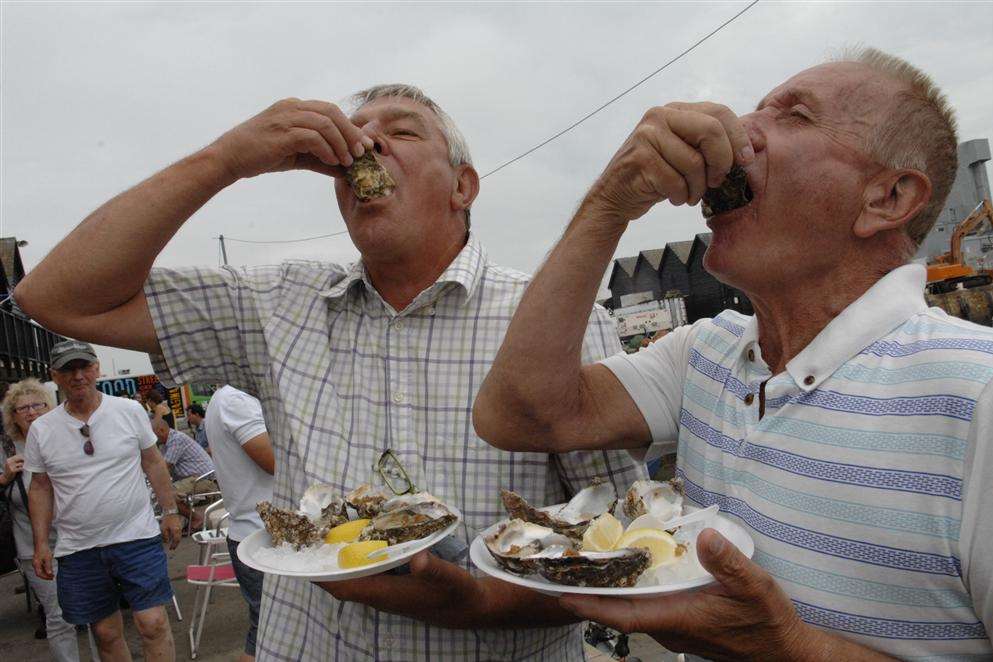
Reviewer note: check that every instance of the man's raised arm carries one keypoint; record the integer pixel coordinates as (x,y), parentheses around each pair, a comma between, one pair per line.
(90,286)
(537,395)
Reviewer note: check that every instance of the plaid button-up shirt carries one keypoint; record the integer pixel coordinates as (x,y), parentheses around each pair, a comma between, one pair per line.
(342,377)
(186,456)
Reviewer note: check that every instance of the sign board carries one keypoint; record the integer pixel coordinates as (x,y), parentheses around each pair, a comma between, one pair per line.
(635,298)
(645,322)
(143,384)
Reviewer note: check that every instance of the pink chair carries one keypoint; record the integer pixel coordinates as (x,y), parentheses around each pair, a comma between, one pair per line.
(213,569)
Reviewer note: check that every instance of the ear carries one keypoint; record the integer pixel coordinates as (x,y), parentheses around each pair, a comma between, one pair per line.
(892,198)
(466,187)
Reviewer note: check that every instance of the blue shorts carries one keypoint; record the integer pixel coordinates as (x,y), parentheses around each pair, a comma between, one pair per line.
(92,582)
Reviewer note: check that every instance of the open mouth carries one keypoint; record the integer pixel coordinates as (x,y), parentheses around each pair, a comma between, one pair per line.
(733,193)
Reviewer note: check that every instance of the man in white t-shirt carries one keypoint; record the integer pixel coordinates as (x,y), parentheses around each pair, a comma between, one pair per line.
(244,465)
(89,459)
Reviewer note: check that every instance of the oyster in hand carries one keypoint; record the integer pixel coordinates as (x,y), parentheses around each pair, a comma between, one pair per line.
(369,179)
(733,192)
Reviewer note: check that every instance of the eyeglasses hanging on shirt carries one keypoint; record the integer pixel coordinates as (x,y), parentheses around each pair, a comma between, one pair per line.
(88,446)
(393,473)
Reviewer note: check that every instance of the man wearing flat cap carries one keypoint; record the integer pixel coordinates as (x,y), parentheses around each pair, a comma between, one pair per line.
(88,457)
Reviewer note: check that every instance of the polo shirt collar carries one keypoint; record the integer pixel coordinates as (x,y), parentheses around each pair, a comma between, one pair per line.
(465,272)
(891,301)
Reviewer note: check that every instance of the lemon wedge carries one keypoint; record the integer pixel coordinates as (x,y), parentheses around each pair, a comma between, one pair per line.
(356,554)
(662,546)
(347,532)
(602,534)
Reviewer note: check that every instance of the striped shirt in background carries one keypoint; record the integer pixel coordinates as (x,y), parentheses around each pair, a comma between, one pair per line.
(867,484)
(342,377)
(186,455)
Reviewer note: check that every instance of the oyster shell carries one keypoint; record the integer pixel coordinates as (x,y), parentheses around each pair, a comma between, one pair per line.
(320,510)
(368,178)
(662,501)
(367,500)
(411,522)
(515,541)
(619,568)
(573,518)
(733,192)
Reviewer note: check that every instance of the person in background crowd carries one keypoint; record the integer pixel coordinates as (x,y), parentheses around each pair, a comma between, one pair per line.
(245,465)
(194,415)
(846,426)
(25,401)
(89,458)
(349,362)
(158,407)
(187,461)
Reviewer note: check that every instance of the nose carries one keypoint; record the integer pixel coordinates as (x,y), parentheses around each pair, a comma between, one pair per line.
(381,143)
(753,125)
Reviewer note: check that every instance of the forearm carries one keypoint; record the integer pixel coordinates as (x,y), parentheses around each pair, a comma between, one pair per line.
(535,377)
(511,607)
(40,509)
(158,476)
(104,262)
(815,645)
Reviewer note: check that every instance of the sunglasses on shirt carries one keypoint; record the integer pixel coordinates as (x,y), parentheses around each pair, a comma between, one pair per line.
(88,446)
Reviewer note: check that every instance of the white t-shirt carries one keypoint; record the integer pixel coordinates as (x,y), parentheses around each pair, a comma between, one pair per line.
(232,419)
(100,499)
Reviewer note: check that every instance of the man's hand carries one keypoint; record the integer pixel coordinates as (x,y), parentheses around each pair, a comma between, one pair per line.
(745,616)
(677,151)
(13,466)
(42,561)
(292,135)
(436,592)
(172,530)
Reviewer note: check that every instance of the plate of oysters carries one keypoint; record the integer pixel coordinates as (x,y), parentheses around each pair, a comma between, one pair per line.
(333,538)
(598,544)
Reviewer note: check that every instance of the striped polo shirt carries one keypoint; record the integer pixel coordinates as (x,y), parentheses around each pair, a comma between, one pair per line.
(867,485)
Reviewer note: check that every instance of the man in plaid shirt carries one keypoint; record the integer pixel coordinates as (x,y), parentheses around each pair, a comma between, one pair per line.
(348,362)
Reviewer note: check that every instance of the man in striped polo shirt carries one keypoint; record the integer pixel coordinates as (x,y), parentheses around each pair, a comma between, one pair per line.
(846,425)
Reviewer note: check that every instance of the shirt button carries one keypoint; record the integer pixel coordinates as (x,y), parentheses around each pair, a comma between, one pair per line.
(398,325)
(749,399)
(751,355)
(808,380)
(398,397)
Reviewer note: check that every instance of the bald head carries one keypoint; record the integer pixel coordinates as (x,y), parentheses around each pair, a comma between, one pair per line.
(161,429)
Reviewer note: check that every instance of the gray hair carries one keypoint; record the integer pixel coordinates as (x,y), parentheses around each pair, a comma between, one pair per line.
(918,131)
(458,148)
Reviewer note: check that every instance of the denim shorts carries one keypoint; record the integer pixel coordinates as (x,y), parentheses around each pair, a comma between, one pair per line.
(250,581)
(91,582)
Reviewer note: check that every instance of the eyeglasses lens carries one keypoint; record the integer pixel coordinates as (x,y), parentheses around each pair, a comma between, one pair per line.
(88,446)
(393,473)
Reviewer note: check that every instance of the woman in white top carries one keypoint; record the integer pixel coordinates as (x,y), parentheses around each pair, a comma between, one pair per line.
(25,401)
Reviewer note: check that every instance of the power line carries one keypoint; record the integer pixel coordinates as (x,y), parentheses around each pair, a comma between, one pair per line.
(557,135)
(639,83)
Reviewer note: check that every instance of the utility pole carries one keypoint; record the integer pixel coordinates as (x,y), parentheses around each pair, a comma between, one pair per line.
(224,251)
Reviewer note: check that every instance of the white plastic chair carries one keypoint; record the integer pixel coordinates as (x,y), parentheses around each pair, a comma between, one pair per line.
(213,568)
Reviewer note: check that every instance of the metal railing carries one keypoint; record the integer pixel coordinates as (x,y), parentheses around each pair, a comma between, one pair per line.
(25,348)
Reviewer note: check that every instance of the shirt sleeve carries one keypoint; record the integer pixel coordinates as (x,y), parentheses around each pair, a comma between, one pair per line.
(977,510)
(143,427)
(33,461)
(241,416)
(654,378)
(208,324)
(578,469)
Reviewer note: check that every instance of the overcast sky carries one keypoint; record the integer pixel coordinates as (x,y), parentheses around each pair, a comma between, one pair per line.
(96,97)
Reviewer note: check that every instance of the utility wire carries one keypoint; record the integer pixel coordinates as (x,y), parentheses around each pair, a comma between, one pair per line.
(557,135)
(625,92)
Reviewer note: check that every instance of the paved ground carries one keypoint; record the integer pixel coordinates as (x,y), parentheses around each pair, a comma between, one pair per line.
(223,638)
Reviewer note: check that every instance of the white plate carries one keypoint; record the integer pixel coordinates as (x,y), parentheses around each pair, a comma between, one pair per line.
(481,556)
(260,539)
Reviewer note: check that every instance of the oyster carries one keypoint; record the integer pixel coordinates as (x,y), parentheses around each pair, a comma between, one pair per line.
(320,510)
(368,178)
(619,568)
(662,501)
(367,500)
(516,541)
(573,518)
(410,522)
(733,192)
